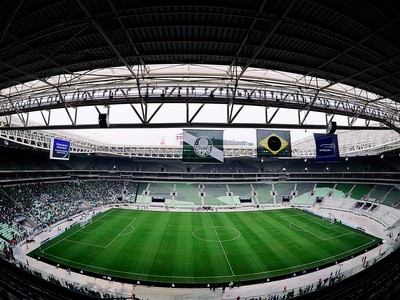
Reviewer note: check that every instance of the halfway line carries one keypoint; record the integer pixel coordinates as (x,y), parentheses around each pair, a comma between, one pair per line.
(221,245)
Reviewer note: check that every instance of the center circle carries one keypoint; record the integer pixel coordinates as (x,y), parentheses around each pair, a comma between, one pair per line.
(216,234)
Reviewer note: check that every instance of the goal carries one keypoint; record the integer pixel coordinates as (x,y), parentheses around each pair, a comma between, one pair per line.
(85,222)
(328,219)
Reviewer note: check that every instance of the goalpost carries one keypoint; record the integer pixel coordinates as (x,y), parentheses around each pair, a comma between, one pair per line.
(328,219)
(85,222)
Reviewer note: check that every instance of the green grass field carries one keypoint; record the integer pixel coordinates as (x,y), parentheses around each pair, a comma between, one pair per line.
(203,247)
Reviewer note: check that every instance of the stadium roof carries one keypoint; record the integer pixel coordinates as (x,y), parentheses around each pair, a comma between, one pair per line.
(336,57)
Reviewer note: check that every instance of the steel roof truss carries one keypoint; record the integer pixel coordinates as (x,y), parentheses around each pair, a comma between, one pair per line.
(127,34)
(46,119)
(328,118)
(188,119)
(155,112)
(268,121)
(73,120)
(309,108)
(231,118)
(18,113)
(109,42)
(141,117)
(277,23)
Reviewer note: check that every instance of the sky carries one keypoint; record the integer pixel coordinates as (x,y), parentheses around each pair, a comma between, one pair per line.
(135,136)
(154,136)
(176,113)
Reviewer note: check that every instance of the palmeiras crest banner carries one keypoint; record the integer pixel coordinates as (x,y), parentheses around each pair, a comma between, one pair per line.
(203,146)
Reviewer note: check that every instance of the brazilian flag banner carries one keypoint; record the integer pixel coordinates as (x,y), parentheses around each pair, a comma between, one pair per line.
(203,146)
(273,143)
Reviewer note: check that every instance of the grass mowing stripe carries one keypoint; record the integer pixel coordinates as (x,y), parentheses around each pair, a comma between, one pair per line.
(120,233)
(291,224)
(222,247)
(284,244)
(203,247)
(208,249)
(86,244)
(248,248)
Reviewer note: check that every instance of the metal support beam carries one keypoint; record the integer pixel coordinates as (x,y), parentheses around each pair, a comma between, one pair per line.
(137,114)
(128,35)
(10,20)
(246,37)
(236,114)
(309,108)
(201,124)
(73,121)
(268,121)
(110,43)
(271,32)
(190,120)
(155,112)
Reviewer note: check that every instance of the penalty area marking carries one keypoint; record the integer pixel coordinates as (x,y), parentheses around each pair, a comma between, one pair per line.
(155,276)
(289,269)
(93,230)
(86,244)
(120,233)
(93,245)
(99,246)
(129,232)
(324,239)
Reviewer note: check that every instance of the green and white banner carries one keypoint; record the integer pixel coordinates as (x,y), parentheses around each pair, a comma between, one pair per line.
(203,146)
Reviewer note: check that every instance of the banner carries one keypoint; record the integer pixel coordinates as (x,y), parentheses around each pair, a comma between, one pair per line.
(59,149)
(203,146)
(273,143)
(327,149)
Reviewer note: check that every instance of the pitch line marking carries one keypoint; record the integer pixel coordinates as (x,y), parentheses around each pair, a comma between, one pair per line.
(327,226)
(223,249)
(331,238)
(119,234)
(86,244)
(129,232)
(206,277)
(322,239)
(212,241)
(98,246)
(73,233)
(93,230)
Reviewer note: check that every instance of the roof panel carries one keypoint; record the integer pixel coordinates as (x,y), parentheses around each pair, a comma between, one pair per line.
(355,42)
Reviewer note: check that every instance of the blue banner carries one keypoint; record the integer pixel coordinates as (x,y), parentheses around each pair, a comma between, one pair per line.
(327,149)
(59,149)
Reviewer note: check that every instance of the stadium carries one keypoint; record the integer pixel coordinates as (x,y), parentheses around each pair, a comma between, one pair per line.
(199,150)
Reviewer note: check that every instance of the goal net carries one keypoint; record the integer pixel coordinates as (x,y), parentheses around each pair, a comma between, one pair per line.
(329,219)
(85,222)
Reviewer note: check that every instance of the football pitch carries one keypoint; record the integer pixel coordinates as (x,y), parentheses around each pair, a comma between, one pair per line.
(203,247)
